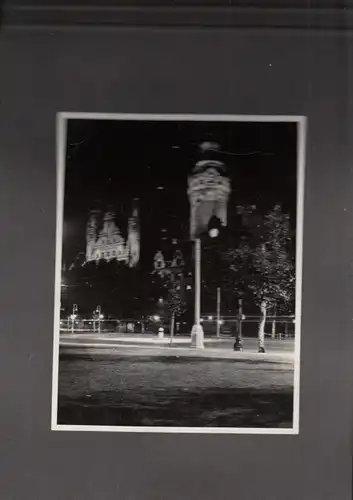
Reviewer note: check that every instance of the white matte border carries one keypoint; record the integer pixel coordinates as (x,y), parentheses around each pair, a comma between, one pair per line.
(61,138)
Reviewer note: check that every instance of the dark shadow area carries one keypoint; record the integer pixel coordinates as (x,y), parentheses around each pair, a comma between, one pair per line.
(181,408)
(1,13)
(112,358)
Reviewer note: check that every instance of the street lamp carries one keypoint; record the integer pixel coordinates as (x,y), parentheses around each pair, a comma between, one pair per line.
(214,232)
(238,342)
(97,315)
(197,333)
(73,317)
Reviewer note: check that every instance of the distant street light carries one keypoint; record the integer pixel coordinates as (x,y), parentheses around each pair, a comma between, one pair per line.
(156,317)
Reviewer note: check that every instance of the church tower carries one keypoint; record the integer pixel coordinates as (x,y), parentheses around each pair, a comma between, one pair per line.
(109,227)
(91,233)
(208,190)
(133,238)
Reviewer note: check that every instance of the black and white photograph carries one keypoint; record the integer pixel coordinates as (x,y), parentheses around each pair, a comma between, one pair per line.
(178,273)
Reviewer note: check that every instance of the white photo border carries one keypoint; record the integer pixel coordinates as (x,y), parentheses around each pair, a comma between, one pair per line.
(61,139)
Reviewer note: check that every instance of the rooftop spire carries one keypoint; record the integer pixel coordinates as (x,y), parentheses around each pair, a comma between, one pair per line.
(209,146)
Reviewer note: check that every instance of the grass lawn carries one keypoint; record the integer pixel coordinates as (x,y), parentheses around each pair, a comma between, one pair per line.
(174,391)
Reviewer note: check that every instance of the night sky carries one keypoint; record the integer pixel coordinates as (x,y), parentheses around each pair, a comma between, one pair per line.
(111,162)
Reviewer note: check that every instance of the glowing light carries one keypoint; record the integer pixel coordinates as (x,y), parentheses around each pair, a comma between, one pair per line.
(156,317)
(214,232)
(210,318)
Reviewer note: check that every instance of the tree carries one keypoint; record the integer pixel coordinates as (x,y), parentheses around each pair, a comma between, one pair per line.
(265,266)
(175,302)
(173,284)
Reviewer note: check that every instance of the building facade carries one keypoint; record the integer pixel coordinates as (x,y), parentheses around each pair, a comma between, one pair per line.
(208,190)
(108,243)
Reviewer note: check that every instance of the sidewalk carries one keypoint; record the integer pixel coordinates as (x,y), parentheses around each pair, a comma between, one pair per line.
(138,339)
(181,347)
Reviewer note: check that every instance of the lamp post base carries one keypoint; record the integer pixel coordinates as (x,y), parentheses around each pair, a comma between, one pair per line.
(197,337)
(238,345)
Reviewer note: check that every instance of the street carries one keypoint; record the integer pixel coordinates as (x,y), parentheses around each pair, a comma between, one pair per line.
(117,384)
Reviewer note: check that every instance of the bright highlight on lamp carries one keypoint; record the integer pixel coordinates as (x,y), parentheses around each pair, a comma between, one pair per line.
(214,232)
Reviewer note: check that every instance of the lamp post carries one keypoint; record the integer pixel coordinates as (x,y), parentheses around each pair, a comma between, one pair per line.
(197,333)
(100,319)
(98,314)
(238,342)
(73,317)
(218,312)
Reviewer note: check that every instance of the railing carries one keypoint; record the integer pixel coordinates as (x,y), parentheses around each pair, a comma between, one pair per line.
(277,327)
(84,325)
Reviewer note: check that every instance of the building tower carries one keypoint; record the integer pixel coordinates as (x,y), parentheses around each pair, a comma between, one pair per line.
(109,227)
(159,264)
(91,233)
(106,244)
(133,237)
(178,260)
(208,190)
